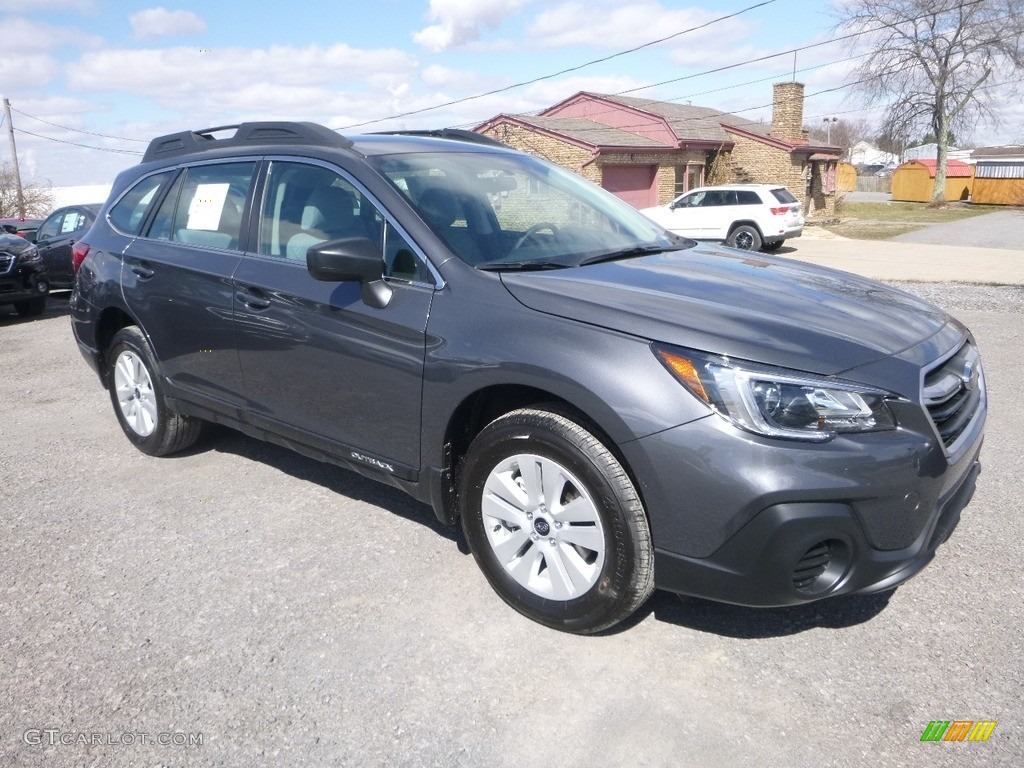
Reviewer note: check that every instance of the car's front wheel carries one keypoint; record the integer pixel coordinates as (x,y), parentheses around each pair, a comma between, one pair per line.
(137,395)
(745,237)
(555,523)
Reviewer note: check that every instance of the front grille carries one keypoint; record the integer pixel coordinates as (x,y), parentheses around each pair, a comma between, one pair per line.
(6,263)
(953,392)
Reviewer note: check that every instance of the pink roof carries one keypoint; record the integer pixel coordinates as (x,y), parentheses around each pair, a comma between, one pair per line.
(955,169)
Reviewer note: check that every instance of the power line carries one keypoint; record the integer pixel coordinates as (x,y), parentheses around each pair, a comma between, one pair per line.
(76,144)
(557,74)
(716,70)
(701,93)
(78,130)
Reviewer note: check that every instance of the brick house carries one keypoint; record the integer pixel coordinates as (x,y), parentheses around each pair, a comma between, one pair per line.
(649,152)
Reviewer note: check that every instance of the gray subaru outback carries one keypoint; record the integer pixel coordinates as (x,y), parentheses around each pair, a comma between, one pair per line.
(605,407)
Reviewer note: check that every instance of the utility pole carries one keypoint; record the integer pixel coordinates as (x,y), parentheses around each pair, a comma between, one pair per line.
(14,157)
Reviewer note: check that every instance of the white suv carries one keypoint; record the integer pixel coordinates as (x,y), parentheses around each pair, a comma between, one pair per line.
(747,216)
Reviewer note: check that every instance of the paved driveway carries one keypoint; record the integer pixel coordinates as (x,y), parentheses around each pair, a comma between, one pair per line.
(296,614)
(1002,229)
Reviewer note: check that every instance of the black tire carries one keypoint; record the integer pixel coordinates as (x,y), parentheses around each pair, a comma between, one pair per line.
(31,307)
(620,578)
(745,237)
(159,431)
(772,247)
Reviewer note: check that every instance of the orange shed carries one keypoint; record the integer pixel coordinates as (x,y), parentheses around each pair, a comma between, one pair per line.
(999,176)
(914,181)
(846,178)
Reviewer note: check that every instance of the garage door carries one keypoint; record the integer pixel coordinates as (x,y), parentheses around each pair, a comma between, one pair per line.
(632,183)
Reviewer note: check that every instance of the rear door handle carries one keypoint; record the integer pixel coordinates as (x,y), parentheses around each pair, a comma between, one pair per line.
(252,299)
(142,271)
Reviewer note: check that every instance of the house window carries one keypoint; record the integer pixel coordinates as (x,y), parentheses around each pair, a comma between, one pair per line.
(689,176)
(694,175)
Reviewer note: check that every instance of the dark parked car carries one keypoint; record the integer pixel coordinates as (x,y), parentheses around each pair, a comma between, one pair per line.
(56,236)
(23,280)
(25,228)
(606,407)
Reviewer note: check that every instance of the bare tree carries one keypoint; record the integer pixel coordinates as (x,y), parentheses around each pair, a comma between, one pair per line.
(38,200)
(934,63)
(844,132)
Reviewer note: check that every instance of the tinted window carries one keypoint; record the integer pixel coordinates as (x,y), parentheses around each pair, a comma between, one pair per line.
(720,197)
(748,197)
(50,227)
(131,209)
(783,195)
(206,206)
(305,205)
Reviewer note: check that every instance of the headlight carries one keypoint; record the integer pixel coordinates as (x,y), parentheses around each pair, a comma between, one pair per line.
(28,255)
(779,403)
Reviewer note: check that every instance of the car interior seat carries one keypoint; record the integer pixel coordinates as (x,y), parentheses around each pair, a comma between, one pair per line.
(440,208)
(329,214)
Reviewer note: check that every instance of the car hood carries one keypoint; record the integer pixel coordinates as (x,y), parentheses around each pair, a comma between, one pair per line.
(750,306)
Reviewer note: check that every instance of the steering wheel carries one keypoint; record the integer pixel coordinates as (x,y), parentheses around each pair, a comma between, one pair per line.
(540,226)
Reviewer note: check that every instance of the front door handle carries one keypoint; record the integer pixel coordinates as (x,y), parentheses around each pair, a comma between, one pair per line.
(252,299)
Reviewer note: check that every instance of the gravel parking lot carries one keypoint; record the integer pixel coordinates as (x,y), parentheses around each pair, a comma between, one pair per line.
(290,613)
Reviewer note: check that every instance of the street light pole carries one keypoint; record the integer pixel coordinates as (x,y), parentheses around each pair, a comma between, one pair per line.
(828,127)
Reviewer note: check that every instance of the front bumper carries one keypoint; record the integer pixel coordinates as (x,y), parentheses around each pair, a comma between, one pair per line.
(796,553)
(760,522)
(23,282)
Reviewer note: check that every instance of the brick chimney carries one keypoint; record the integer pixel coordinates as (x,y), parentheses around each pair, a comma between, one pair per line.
(788,112)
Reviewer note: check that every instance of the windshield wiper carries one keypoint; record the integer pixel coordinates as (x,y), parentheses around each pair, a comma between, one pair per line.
(629,253)
(521,266)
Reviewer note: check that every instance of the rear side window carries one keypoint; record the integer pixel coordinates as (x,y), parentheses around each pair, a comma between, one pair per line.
(748,197)
(206,206)
(130,211)
(783,195)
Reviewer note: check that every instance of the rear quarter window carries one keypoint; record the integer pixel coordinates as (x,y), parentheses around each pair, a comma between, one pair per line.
(130,211)
(783,195)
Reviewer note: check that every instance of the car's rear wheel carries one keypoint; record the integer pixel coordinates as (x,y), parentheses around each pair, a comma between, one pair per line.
(772,247)
(137,395)
(745,237)
(30,307)
(555,523)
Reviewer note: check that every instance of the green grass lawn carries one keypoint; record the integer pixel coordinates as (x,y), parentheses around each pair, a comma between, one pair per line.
(880,221)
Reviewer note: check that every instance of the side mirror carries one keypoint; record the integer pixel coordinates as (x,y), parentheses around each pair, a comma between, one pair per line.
(351,259)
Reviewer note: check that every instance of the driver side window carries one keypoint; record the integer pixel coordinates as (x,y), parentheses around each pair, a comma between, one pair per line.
(305,205)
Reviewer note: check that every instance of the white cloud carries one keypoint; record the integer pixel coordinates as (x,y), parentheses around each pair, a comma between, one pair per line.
(21,35)
(25,6)
(459,21)
(182,76)
(160,22)
(606,24)
(444,77)
(27,71)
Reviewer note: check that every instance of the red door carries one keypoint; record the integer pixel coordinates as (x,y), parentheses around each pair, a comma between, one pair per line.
(632,183)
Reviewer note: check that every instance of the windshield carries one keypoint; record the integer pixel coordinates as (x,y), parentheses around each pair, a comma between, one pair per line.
(498,210)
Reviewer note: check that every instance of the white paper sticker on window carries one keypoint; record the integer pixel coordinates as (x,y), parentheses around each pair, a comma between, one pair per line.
(206,207)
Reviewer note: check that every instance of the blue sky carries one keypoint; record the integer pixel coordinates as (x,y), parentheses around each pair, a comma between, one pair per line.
(133,70)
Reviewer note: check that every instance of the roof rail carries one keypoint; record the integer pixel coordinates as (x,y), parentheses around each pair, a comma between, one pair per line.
(245,134)
(457,134)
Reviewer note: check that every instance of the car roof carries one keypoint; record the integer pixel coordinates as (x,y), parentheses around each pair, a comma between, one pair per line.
(290,136)
(739,186)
